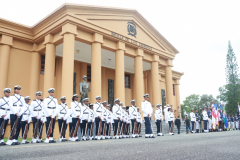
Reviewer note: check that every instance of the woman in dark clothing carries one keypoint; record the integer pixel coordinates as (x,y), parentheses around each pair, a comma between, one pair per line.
(178,123)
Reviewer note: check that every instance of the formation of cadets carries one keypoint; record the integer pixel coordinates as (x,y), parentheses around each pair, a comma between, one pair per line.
(79,116)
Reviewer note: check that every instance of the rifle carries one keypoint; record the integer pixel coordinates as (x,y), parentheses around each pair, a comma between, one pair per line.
(128,128)
(125,129)
(36,129)
(2,128)
(171,127)
(161,126)
(122,128)
(25,131)
(86,129)
(63,129)
(14,129)
(104,128)
(41,131)
(100,128)
(135,127)
(118,130)
(91,131)
(139,129)
(49,129)
(76,128)
(109,132)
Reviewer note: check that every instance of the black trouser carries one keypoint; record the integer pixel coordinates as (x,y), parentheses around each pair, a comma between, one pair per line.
(107,128)
(35,122)
(103,122)
(138,125)
(115,126)
(70,128)
(178,127)
(133,121)
(61,123)
(205,124)
(193,125)
(220,124)
(89,127)
(158,125)
(23,124)
(127,133)
(123,123)
(83,127)
(13,118)
(5,125)
(48,123)
(97,120)
(74,123)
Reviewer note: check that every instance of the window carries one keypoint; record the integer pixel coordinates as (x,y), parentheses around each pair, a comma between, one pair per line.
(89,73)
(173,90)
(127,80)
(42,64)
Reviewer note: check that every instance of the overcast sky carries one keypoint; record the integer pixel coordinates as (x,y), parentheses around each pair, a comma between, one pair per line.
(199,29)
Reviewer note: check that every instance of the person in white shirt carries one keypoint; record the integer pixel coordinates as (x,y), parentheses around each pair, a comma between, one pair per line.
(17,105)
(170,120)
(77,113)
(62,117)
(122,121)
(124,114)
(117,110)
(109,121)
(158,119)
(139,123)
(205,119)
(36,108)
(26,119)
(5,103)
(69,122)
(50,105)
(91,121)
(166,113)
(193,120)
(85,117)
(128,124)
(104,117)
(147,114)
(133,115)
(97,107)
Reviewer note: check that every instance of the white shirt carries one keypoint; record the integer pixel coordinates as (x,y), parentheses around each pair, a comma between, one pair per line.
(17,103)
(97,108)
(85,109)
(205,116)
(133,112)
(62,111)
(69,116)
(193,117)
(5,107)
(109,117)
(43,117)
(122,115)
(104,113)
(50,105)
(146,108)
(36,108)
(129,119)
(158,114)
(91,116)
(139,117)
(76,109)
(170,116)
(117,110)
(27,113)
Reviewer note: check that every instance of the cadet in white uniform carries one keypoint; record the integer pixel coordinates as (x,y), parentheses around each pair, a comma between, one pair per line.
(128,124)
(77,113)
(170,120)
(117,110)
(205,119)
(97,107)
(197,121)
(193,119)
(85,117)
(91,120)
(36,108)
(139,121)
(147,114)
(26,118)
(69,121)
(109,121)
(158,119)
(133,115)
(124,114)
(122,120)
(5,103)
(166,113)
(50,105)
(62,117)
(17,105)
(104,118)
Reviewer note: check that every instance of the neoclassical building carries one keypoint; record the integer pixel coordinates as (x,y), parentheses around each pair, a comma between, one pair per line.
(121,53)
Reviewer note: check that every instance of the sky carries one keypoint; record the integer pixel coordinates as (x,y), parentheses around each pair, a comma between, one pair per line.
(198,29)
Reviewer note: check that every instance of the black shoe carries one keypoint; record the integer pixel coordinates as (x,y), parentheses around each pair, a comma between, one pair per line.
(152,137)
(17,143)
(88,139)
(140,135)
(77,140)
(3,143)
(41,141)
(95,139)
(110,137)
(173,134)
(13,143)
(158,135)
(146,137)
(26,142)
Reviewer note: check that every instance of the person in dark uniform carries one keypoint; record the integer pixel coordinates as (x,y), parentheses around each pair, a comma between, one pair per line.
(178,123)
(197,121)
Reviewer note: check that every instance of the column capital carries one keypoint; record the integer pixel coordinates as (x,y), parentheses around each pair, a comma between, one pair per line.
(139,52)
(121,46)
(70,29)
(98,38)
(169,63)
(7,40)
(155,58)
(48,39)
(35,47)
(177,82)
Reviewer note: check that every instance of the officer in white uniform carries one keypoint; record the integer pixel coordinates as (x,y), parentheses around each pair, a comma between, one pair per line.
(147,114)
(77,113)
(117,110)
(36,108)
(62,117)
(165,114)
(17,105)
(170,120)
(122,121)
(26,118)
(50,105)
(133,115)
(158,118)
(104,117)
(97,107)
(91,120)
(85,117)
(197,121)
(139,122)
(69,122)
(193,119)
(205,119)
(124,114)
(128,124)
(5,103)
(109,119)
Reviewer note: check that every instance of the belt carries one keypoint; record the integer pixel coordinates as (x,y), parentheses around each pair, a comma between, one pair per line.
(117,113)
(77,110)
(26,114)
(99,111)
(109,117)
(85,112)
(62,113)
(5,109)
(16,105)
(37,109)
(134,115)
(51,107)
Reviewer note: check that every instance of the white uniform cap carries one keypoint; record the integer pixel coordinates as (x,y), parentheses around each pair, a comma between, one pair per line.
(63,98)
(117,100)
(17,87)
(168,105)
(138,107)
(38,93)
(7,90)
(85,99)
(133,101)
(124,107)
(109,105)
(51,90)
(146,95)
(27,97)
(120,103)
(75,95)
(98,97)
(158,105)
(104,102)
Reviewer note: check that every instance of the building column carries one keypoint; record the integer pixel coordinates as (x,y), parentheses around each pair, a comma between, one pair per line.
(169,85)
(49,64)
(96,80)
(155,81)
(177,94)
(69,32)
(119,73)
(5,48)
(34,71)
(138,63)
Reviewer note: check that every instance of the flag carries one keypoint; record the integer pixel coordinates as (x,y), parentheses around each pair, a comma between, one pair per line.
(225,120)
(220,107)
(216,106)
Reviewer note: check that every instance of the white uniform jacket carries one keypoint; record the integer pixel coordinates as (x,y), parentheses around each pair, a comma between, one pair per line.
(104,113)
(146,108)
(109,117)
(17,104)
(122,115)
(36,108)
(5,107)
(85,109)
(62,111)
(69,116)
(139,117)
(133,112)
(205,115)
(97,108)
(117,110)
(91,116)
(50,105)
(43,118)
(170,116)
(27,113)
(158,114)
(76,109)
(193,117)
(129,119)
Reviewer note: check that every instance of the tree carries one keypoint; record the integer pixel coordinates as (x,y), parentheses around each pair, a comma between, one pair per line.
(191,102)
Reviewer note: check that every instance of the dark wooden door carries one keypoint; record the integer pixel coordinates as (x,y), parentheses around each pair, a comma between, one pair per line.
(111,92)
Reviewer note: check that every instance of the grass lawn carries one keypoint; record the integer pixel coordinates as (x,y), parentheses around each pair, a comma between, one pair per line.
(20,139)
